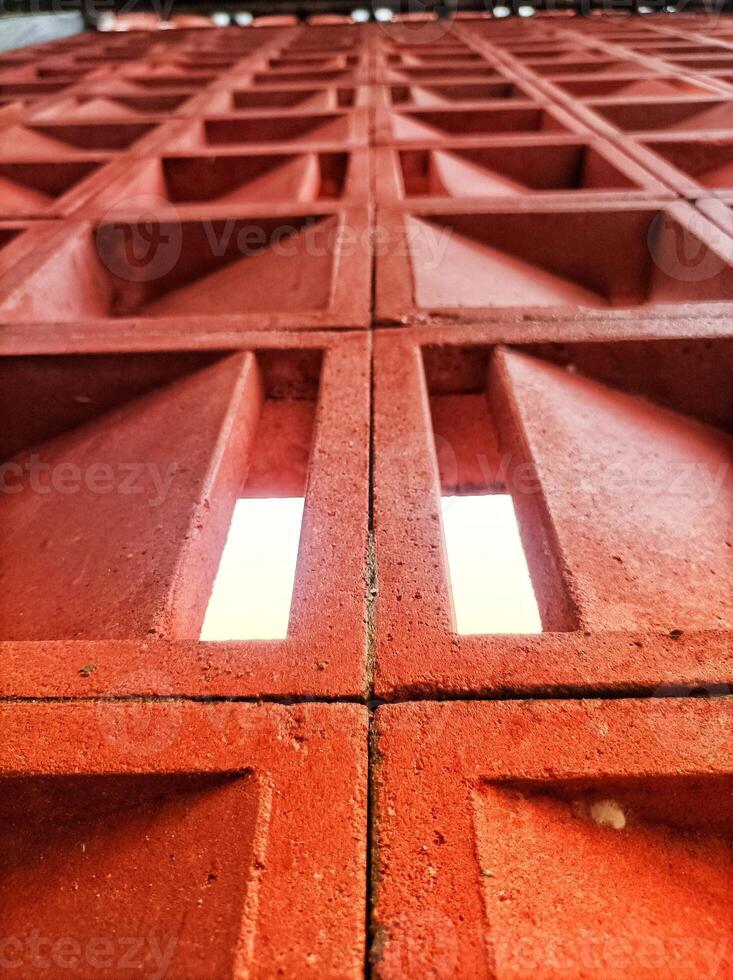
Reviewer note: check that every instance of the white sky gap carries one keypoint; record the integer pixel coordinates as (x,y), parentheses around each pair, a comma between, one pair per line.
(492,590)
(254,585)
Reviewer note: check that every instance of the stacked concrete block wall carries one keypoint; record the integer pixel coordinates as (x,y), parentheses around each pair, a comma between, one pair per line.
(372,266)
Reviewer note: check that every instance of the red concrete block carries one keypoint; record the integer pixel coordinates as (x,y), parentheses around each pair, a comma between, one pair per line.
(181,840)
(508,170)
(180,438)
(282,267)
(513,260)
(553,838)
(620,503)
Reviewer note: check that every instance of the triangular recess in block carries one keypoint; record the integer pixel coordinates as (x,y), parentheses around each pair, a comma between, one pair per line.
(98,556)
(165,858)
(648,86)
(79,388)
(452,269)
(18,199)
(591,881)
(639,498)
(26,188)
(690,378)
(717,117)
(271,129)
(456,176)
(425,96)
(710,162)
(292,271)
(406,127)
(235,180)
(99,108)
(20,140)
(47,139)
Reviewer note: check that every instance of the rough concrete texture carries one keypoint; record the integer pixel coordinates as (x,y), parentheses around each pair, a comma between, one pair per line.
(125,487)
(189,828)
(552,839)
(617,455)
(214,246)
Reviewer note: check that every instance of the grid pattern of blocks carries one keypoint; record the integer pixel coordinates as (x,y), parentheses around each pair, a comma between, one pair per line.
(371,265)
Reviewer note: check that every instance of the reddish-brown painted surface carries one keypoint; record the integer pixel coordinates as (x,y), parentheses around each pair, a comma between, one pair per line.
(617,455)
(208,242)
(553,838)
(182,432)
(189,829)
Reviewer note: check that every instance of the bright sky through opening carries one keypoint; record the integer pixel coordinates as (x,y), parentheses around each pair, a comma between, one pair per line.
(254,585)
(492,590)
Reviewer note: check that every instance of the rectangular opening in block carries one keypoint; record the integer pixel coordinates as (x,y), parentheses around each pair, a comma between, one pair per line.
(509,171)
(632,87)
(437,95)
(55,139)
(166,858)
(32,188)
(253,588)
(311,98)
(588,67)
(311,63)
(706,63)
(446,73)
(490,584)
(434,123)
(175,80)
(273,129)
(211,63)
(709,162)
(683,115)
(239,179)
(599,258)
(57,73)
(29,89)
(316,76)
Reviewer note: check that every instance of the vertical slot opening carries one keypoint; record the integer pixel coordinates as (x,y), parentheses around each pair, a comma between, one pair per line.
(253,588)
(490,582)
